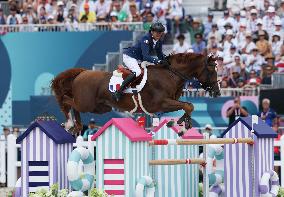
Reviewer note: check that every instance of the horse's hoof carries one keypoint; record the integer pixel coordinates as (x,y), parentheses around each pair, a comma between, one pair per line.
(180,134)
(181,120)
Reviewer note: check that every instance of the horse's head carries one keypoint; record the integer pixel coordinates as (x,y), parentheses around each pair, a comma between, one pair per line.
(189,65)
(207,76)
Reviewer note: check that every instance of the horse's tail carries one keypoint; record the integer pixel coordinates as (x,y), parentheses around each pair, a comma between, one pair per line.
(62,86)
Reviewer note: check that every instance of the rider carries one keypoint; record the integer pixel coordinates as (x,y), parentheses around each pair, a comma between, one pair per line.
(149,49)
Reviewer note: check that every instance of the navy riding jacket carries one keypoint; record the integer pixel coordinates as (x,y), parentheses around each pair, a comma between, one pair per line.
(145,50)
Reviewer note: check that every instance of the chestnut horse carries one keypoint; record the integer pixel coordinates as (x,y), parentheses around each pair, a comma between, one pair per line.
(87,91)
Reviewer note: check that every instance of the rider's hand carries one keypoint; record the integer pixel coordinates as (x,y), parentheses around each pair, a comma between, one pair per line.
(164,63)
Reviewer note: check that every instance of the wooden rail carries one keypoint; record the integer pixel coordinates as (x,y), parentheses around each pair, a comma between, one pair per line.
(177,162)
(201,141)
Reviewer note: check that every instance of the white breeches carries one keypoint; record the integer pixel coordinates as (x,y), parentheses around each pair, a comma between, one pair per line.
(132,64)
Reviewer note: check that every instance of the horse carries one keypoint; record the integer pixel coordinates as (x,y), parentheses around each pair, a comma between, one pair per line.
(82,90)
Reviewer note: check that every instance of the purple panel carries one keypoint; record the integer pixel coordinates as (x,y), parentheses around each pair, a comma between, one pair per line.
(63,166)
(41,145)
(237,158)
(55,162)
(34,144)
(26,164)
(230,167)
(244,178)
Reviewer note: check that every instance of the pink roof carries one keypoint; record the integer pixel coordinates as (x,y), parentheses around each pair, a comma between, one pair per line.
(190,134)
(128,127)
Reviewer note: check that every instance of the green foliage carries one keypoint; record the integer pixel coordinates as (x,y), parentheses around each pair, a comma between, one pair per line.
(97,193)
(53,192)
(281,192)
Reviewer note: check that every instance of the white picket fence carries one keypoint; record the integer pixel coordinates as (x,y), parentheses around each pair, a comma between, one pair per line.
(10,147)
(13,163)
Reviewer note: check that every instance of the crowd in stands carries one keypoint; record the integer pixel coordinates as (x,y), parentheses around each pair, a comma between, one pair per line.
(247,39)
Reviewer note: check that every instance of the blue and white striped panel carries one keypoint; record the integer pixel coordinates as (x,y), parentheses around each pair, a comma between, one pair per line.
(38,175)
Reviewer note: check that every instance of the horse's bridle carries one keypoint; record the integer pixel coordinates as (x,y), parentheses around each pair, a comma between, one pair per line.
(207,85)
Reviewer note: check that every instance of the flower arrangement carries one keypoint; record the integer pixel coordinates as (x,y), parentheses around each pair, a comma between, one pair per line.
(54,192)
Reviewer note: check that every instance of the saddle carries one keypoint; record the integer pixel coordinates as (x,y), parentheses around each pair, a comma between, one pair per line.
(125,72)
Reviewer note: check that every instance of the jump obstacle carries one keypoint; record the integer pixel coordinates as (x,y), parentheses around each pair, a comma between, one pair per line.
(125,154)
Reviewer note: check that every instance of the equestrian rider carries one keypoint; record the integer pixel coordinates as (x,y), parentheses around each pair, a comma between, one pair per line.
(149,49)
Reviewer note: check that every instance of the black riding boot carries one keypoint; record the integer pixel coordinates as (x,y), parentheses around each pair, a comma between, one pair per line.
(118,94)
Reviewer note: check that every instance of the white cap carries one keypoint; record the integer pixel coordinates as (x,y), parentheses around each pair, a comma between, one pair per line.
(243,13)
(229,32)
(248,34)
(271,9)
(59,3)
(275,33)
(50,17)
(253,11)
(208,126)
(259,21)
(113,13)
(73,5)
(251,4)
(277,22)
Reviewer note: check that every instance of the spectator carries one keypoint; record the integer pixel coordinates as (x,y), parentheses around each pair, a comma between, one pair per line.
(199,46)
(270,60)
(241,82)
(102,8)
(225,19)
(14,18)
(241,35)
(31,15)
(222,71)
(2,17)
(181,46)
(259,29)
(6,132)
(90,3)
(42,18)
(208,25)
(237,63)
(278,29)
(175,13)
(147,10)
(46,5)
(254,60)
(224,84)
(212,43)
(228,42)
(263,45)
(235,76)
(91,16)
(195,28)
(268,20)
(92,129)
(148,22)
(280,11)
(214,32)
(61,12)
(229,58)
(267,71)
(236,111)
(16,131)
(248,45)
(160,9)
(253,75)
(252,21)
(276,45)
(267,114)
(134,14)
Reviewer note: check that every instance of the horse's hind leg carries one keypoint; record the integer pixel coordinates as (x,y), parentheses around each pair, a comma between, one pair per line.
(78,123)
(173,105)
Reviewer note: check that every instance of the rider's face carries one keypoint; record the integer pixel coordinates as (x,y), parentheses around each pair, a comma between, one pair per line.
(157,35)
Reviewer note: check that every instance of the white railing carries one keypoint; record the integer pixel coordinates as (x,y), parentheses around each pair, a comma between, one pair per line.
(13,164)
(224,92)
(63,27)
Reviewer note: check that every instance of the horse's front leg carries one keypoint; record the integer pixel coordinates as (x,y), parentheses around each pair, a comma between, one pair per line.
(173,105)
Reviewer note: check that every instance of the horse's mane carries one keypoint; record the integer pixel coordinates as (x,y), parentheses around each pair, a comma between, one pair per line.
(182,58)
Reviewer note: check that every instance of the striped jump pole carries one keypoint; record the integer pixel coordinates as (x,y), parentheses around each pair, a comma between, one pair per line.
(201,141)
(177,162)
